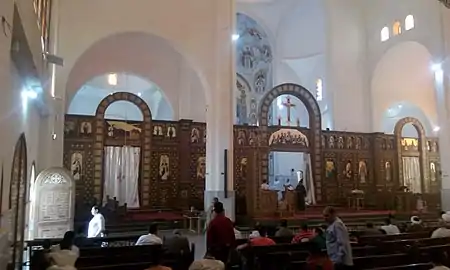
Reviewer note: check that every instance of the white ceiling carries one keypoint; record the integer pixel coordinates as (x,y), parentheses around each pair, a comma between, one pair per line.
(86,100)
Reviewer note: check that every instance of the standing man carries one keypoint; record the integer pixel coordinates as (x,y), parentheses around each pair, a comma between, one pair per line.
(220,237)
(210,212)
(97,224)
(337,240)
(300,191)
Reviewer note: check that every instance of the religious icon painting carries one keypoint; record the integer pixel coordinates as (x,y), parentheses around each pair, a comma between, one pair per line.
(69,128)
(362,171)
(432,171)
(195,135)
(76,162)
(388,171)
(164,167)
(85,128)
(330,169)
(201,167)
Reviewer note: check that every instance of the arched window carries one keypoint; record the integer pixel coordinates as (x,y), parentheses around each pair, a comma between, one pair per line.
(384,33)
(319,89)
(397,28)
(409,22)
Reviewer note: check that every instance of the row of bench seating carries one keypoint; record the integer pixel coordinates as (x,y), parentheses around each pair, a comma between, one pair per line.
(410,249)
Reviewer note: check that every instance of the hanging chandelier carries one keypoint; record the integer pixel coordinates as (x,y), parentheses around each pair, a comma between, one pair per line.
(445,2)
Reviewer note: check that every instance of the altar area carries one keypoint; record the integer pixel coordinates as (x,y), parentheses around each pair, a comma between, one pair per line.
(169,158)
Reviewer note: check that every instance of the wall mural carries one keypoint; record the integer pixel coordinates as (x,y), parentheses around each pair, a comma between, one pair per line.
(254,68)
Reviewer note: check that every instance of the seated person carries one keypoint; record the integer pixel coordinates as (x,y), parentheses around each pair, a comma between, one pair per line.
(371,230)
(207,263)
(156,263)
(68,240)
(64,255)
(264,185)
(319,238)
(438,259)
(237,233)
(444,228)
(303,236)
(258,239)
(283,230)
(318,259)
(389,228)
(151,238)
(177,244)
(416,225)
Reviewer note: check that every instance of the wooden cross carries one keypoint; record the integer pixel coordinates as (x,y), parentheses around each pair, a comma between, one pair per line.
(288,106)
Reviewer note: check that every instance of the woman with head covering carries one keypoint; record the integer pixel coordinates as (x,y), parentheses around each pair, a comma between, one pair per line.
(444,227)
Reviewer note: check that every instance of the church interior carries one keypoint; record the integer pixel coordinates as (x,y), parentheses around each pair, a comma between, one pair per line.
(278,108)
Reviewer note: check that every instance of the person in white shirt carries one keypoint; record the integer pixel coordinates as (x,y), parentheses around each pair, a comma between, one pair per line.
(265,186)
(444,227)
(389,228)
(151,238)
(64,255)
(438,259)
(97,224)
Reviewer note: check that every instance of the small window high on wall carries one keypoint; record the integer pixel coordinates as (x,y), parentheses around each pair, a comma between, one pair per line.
(409,22)
(319,89)
(384,33)
(397,28)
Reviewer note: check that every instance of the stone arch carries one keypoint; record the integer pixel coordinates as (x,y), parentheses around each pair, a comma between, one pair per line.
(403,69)
(315,124)
(17,198)
(422,149)
(144,54)
(55,180)
(99,128)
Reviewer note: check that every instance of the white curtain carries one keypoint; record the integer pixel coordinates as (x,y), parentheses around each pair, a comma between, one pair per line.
(411,174)
(309,180)
(122,174)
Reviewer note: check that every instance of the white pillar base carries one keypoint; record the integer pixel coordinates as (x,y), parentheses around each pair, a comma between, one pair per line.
(228,203)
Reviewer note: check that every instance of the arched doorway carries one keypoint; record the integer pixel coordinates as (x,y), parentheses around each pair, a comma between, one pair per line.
(17,200)
(309,138)
(412,151)
(147,191)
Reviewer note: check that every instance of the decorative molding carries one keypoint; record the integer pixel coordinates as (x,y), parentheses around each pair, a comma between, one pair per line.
(445,2)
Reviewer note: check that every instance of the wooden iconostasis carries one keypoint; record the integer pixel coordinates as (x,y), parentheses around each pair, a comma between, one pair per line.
(172,173)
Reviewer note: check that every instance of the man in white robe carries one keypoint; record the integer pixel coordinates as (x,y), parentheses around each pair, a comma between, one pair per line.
(97,224)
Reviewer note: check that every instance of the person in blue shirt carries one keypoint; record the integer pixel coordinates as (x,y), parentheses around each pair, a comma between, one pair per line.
(337,240)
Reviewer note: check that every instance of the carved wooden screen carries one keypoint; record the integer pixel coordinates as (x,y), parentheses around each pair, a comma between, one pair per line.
(246,167)
(197,158)
(165,173)
(314,138)
(348,164)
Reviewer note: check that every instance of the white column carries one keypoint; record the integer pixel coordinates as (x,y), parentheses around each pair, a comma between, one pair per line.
(442,86)
(220,112)
(346,76)
(185,97)
(54,124)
